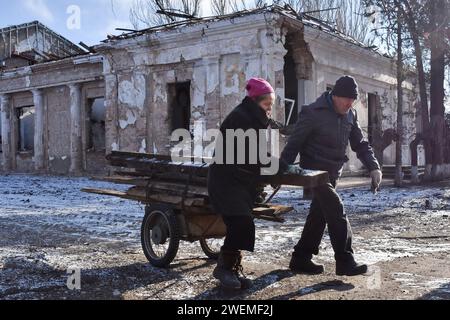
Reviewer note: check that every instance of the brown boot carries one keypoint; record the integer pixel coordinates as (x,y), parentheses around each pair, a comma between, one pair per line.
(225,270)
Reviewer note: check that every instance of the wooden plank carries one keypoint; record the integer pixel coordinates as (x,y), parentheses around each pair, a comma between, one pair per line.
(271,211)
(157,185)
(193,206)
(164,168)
(105,192)
(112,193)
(125,154)
(263,211)
(168,176)
(209,226)
(280,209)
(156,163)
(309,179)
(141,193)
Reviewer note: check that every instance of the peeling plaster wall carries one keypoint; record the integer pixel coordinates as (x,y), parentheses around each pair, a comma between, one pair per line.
(58,122)
(52,81)
(217,63)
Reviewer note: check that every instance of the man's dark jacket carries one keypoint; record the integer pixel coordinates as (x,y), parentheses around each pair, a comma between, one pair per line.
(321,136)
(233,188)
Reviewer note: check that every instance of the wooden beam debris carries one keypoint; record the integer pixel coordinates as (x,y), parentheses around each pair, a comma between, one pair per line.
(157,179)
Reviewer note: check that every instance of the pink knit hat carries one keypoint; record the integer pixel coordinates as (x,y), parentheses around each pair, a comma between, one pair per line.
(257,87)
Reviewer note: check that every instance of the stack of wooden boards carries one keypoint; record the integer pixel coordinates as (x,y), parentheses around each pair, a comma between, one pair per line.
(157,179)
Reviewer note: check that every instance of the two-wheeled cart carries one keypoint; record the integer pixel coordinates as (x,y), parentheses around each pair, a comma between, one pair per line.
(177,205)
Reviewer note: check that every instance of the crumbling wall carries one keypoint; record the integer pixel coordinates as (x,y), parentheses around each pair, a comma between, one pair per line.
(58,117)
(216,62)
(58,91)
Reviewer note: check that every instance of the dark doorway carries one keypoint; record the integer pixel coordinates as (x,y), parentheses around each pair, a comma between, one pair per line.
(95,125)
(95,135)
(25,129)
(290,87)
(180,105)
(374,123)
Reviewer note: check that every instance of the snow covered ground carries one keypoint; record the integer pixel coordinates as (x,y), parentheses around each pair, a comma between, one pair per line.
(48,226)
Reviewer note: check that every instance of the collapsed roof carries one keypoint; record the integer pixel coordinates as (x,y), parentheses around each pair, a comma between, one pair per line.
(33,43)
(286,11)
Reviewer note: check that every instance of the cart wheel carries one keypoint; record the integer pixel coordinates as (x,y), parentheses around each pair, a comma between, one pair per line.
(211,247)
(160,236)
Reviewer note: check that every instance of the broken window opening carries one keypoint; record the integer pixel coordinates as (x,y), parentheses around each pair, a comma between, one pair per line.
(25,129)
(291,86)
(180,105)
(95,125)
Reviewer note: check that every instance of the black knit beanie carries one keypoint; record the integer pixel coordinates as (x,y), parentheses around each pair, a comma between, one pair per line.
(346,87)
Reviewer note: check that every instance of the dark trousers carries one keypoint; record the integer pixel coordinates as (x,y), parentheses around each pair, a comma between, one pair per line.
(240,233)
(326,209)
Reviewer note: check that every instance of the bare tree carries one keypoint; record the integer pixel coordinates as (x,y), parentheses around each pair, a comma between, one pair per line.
(439,23)
(239,5)
(144,12)
(400,80)
(426,24)
(219,7)
(348,17)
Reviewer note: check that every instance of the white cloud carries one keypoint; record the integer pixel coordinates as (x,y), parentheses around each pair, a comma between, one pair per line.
(39,9)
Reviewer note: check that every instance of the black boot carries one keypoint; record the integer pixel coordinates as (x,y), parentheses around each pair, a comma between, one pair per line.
(225,270)
(349,267)
(246,283)
(303,264)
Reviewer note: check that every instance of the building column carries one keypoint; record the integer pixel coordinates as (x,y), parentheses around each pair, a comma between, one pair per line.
(5,101)
(39,129)
(212,103)
(76,144)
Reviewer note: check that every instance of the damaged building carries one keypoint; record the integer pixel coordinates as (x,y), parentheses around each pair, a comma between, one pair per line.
(52,103)
(63,109)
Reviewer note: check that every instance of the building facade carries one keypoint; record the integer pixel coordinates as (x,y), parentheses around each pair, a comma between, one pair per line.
(140,86)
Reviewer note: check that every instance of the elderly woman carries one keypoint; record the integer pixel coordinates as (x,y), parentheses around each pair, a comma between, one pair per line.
(233,188)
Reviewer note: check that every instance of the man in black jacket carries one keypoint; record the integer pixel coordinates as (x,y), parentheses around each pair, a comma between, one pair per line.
(321,136)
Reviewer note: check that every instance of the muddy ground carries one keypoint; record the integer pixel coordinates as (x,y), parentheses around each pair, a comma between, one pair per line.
(48,226)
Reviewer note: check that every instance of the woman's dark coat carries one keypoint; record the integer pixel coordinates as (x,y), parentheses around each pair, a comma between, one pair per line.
(233,187)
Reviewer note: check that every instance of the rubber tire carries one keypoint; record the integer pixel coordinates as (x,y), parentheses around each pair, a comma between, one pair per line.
(208,251)
(175,236)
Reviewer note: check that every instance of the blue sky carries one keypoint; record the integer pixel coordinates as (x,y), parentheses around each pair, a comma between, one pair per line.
(98,17)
